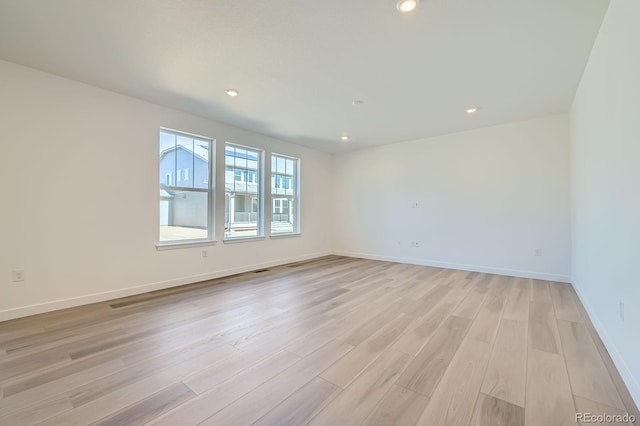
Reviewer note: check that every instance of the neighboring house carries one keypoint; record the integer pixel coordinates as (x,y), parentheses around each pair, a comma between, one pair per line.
(282,190)
(241,191)
(190,169)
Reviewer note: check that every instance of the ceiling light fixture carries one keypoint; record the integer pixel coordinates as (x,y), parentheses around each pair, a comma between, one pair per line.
(406,6)
(471,110)
(357,102)
(344,137)
(232,92)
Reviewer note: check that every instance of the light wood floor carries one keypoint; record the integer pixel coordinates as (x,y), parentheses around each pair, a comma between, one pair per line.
(333,341)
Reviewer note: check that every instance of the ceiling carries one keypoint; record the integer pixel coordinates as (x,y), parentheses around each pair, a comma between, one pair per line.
(298,65)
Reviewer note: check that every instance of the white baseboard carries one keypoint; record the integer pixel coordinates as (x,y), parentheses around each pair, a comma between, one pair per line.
(144,288)
(461,266)
(627,377)
(130,291)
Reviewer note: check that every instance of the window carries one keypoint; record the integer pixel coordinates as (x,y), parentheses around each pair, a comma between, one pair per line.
(186,205)
(280,181)
(183,175)
(284,192)
(243,193)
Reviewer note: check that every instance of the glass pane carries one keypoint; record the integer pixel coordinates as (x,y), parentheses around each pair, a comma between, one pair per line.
(252,169)
(241,215)
(280,166)
(229,176)
(241,162)
(183,215)
(276,174)
(283,183)
(184,160)
(201,159)
(242,198)
(294,179)
(290,171)
(167,158)
(283,217)
(229,156)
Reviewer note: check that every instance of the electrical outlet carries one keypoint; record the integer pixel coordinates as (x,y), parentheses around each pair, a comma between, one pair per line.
(18,275)
(205,253)
(622,311)
(537,252)
(415,243)
(415,205)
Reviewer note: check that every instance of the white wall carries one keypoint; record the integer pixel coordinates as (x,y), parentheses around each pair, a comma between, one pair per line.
(605,152)
(487,199)
(79,211)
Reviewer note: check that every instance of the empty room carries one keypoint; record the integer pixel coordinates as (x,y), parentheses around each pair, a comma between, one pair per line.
(360,212)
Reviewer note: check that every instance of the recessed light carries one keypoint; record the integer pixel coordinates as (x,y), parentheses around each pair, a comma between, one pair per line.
(406,6)
(344,137)
(471,110)
(232,92)
(357,102)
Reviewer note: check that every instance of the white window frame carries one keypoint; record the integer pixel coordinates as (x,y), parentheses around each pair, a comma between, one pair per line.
(210,190)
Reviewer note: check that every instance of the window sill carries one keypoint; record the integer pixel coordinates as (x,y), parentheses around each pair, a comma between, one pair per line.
(242,239)
(289,235)
(184,244)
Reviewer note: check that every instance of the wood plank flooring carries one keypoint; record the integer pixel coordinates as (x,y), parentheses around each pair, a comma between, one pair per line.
(330,341)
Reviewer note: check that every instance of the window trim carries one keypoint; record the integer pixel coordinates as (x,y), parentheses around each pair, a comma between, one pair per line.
(287,235)
(243,239)
(184,243)
(211,191)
